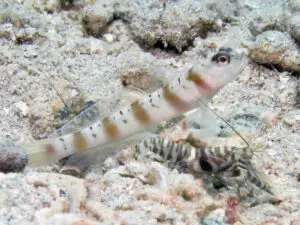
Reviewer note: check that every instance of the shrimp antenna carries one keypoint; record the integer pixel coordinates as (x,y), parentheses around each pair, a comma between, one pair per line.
(59,95)
(224,121)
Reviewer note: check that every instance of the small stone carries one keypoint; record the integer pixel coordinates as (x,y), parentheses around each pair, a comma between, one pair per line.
(97,47)
(96,17)
(292,118)
(12,158)
(215,217)
(109,38)
(31,54)
(275,48)
(189,192)
(159,214)
(294,5)
(124,206)
(269,47)
(270,20)
(22,108)
(25,35)
(139,78)
(294,27)
(52,5)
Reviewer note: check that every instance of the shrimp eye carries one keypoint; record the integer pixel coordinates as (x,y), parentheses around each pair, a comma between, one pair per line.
(205,165)
(221,58)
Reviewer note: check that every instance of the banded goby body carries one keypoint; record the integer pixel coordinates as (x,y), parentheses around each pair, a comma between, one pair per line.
(179,96)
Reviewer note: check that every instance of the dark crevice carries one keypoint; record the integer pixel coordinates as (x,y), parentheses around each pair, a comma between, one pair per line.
(280,69)
(120,16)
(296,74)
(169,48)
(159,49)
(24,41)
(70,5)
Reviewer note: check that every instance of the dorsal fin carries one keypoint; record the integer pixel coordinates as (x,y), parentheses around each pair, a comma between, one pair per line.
(86,117)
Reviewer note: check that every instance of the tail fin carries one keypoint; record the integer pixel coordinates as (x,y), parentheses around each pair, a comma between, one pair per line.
(37,155)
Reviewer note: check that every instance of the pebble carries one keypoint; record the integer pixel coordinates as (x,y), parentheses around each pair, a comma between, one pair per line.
(52,5)
(294,5)
(30,54)
(109,38)
(292,118)
(97,47)
(190,192)
(22,108)
(217,215)
(25,35)
(138,78)
(96,17)
(12,158)
(161,214)
(275,48)
(294,26)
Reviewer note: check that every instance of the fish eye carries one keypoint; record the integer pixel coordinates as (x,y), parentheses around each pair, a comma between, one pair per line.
(221,58)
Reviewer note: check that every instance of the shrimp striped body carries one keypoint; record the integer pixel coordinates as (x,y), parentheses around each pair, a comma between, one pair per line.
(232,164)
(181,95)
(187,158)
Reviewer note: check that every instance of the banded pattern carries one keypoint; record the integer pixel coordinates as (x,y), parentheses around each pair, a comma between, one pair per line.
(79,141)
(140,114)
(192,76)
(232,164)
(174,100)
(179,96)
(172,153)
(253,177)
(198,160)
(110,129)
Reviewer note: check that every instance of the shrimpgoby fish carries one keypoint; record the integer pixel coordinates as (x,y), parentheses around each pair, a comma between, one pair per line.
(175,98)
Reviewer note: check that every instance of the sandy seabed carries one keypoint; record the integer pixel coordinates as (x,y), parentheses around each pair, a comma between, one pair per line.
(86,48)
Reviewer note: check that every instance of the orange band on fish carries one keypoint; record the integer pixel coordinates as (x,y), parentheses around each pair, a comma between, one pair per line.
(196,78)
